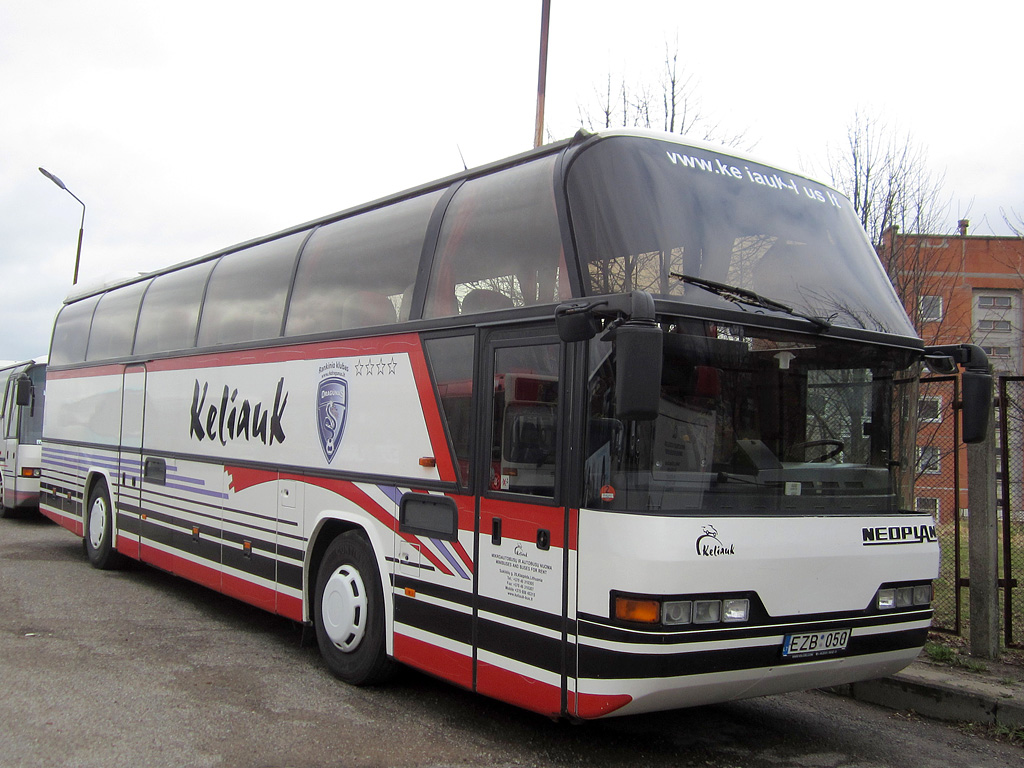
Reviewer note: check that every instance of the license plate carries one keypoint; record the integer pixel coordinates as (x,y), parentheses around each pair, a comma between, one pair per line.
(814,644)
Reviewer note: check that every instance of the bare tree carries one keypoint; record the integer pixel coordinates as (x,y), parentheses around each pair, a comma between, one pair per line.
(886,175)
(1014,221)
(670,104)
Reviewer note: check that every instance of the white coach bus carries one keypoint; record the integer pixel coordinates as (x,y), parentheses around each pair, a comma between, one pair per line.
(617,425)
(21,432)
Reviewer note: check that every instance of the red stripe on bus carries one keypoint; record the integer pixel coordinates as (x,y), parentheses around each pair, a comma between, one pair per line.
(62,519)
(521,520)
(591,705)
(446,664)
(267,598)
(461,552)
(84,373)
(520,690)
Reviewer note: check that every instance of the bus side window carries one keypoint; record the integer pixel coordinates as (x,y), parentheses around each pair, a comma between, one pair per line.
(170,310)
(355,272)
(524,432)
(71,332)
(10,412)
(451,365)
(247,291)
(500,245)
(113,325)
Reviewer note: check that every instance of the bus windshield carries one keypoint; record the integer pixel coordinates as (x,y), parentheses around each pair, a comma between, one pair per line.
(755,422)
(643,209)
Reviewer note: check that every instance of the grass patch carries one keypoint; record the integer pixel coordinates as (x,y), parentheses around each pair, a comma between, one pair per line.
(941,653)
(1003,733)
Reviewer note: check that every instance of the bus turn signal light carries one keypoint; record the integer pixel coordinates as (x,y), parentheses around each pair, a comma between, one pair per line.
(631,609)
(30,472)
(428,461)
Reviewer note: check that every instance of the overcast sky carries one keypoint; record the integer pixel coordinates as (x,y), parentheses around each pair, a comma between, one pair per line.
(186,127)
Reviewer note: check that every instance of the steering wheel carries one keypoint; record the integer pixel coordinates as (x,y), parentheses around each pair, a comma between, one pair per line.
(837,448)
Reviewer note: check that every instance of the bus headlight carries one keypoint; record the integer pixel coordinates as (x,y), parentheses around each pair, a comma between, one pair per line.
(735,610)
(675,612)
(904,596)
(707,611)
(30,472)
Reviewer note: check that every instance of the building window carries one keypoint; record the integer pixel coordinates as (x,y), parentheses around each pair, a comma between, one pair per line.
(928,460)
(929,410)
(930,308)
(997,351)
(994,325)
(928,505)
(995,302)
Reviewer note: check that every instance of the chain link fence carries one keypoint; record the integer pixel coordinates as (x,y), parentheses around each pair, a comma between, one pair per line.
(940,489)
(1010,492)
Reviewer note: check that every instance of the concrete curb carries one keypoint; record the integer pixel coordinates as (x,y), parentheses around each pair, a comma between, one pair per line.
(935,693)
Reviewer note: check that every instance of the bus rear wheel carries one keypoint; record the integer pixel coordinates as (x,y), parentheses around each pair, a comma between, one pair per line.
(99,530)
(348,611)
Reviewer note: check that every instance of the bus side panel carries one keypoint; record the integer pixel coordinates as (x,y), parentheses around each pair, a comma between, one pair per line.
(433,599)
(802,575)
(81,433)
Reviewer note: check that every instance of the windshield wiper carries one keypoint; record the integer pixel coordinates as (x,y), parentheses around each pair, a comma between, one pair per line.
(743,296)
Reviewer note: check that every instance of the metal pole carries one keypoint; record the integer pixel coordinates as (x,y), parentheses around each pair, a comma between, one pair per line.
(545,17)
(983,548)
(81,227)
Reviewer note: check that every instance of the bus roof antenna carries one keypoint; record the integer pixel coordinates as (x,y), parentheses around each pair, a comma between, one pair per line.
(464,166)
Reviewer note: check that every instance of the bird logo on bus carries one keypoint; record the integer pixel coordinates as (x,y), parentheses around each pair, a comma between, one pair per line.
(331,410)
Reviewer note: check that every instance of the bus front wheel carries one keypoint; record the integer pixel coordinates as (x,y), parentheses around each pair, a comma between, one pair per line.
(99,533)
(348,612)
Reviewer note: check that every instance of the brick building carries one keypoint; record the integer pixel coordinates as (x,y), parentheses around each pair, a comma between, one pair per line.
(958,288)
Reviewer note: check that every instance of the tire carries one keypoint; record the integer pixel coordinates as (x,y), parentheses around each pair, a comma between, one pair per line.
(99,530)
(348,612)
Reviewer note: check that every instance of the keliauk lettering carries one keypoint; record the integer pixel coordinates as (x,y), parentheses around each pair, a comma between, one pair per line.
(228,419)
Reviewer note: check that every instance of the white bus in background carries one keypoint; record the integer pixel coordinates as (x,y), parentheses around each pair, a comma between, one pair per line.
(621,424)
(21,433)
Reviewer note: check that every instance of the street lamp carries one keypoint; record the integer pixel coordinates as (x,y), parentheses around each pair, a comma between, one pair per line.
(81,228)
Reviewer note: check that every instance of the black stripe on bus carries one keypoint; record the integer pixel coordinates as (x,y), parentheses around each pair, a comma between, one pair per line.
(599,629)
(500,608)
(433,618)
(602,663)
(260,560)
(520,645)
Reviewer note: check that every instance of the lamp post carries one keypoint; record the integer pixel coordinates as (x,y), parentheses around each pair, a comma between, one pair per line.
(81,228)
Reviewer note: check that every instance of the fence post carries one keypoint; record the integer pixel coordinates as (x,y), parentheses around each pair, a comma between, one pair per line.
(983,550)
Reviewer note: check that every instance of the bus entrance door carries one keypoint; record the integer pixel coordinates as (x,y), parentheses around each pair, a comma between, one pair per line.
(129,477)
(521,531)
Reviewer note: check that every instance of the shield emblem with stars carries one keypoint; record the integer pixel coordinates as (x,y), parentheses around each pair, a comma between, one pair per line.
(331,409)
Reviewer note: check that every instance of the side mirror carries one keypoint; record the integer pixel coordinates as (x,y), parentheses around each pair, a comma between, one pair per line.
(976,396)
(638,357)
(976,384)
(23,391)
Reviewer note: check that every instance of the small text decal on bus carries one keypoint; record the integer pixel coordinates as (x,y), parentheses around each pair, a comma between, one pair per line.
(228,419)
(331,407)
(898,534)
